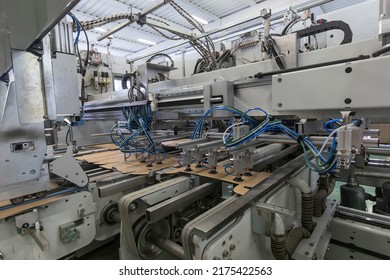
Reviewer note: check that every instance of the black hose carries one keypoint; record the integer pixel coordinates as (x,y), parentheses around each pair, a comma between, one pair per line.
(318,200)
(318,65)
(331,25)
(295,236)
(289,25)
(163,55)
(325,188)
(125,78)
(370,197)
(271,45)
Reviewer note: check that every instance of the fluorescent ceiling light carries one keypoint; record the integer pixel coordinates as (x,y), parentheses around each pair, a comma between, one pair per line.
(200,20)
(100,29)
(146,42)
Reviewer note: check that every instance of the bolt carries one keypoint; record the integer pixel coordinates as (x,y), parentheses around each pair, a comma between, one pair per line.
(311,244)
(225,253)
(216,258)
(307,253)
(133,206)
(232,247)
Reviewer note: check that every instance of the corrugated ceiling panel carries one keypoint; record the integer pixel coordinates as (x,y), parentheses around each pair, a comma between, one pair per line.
(339,4)
(125,41)
(222,8)
(139,4)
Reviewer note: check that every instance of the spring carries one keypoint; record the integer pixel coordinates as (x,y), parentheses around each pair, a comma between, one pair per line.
(278,247)
(307,212)
(323,181)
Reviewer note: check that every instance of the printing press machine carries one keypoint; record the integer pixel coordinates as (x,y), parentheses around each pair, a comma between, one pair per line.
(235,163)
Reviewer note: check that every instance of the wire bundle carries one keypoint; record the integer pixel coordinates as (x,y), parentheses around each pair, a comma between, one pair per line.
(138,119)
(205,48)
(321,163)
(80,28)
(314,158)
(199,127)
(256,130)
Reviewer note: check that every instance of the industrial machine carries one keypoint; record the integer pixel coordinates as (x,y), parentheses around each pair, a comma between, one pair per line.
(233,162)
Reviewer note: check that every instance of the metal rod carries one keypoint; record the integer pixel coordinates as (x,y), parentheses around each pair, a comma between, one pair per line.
(100,172)
(122,185)
(217,143)
(266,151)
(370,174)
(371,132)
(316,140)
(191,143)
(378,151)
(167,207)
(165,244)
(94,170)
(261,163)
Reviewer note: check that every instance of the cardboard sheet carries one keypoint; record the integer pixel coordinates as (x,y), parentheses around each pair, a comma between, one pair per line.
(25,207)
(115,160)
(242,187)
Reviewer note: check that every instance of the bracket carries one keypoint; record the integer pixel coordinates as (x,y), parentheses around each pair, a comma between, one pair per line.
(68,168)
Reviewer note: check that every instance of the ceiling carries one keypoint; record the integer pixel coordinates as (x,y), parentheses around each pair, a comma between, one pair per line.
(217,13)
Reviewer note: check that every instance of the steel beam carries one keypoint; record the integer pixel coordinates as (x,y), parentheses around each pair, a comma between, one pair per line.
(164,209)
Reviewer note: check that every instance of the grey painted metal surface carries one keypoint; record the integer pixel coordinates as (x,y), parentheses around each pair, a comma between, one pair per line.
(68,168)
(19,247)
(19,144)
(329,88)
(65,85)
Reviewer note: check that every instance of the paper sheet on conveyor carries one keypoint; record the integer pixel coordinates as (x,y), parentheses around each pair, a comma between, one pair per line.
(115,160)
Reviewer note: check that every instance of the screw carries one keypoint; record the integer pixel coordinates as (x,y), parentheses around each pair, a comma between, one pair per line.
(232,247)
(216,258)
(133,206)
(307,253)
(225,253)
(311,244)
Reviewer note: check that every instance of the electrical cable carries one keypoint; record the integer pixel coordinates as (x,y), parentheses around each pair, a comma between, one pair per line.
(320,163)
(161,55)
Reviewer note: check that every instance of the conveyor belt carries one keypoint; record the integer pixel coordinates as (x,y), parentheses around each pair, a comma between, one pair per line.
(9,209)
